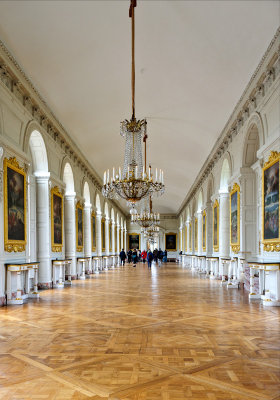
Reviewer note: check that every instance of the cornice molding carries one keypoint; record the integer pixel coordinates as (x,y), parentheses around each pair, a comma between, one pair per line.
(265,74)
(13,77)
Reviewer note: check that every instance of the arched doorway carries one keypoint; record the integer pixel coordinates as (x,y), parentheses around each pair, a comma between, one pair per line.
(39,218)
(70,217)
(250,199)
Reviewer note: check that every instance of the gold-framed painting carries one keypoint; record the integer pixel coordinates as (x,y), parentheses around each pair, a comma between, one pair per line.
(79,227)
(204,230)
(134,241)
(116,237)
(270,203)
(14,206)
(190,237)
(103,241)
(110,236)
(171,241)
(234,205)
(180,240)
(216,226)
(195,234)
(93,231)
(186,238)
(56,219)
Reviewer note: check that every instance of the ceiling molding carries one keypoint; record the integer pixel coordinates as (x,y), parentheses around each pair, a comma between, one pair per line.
(21,87)
(263,77)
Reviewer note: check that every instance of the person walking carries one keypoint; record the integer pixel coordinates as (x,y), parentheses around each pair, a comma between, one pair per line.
(144,256)
(122,257)
(160,257)
(155,254)
(129,256)
(150,259)
(134,257)
(165,256)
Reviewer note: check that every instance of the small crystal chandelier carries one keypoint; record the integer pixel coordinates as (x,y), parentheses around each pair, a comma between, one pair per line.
(133,182)
(146,218)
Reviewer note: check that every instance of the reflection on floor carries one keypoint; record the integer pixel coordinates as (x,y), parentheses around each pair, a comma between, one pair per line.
(132,334)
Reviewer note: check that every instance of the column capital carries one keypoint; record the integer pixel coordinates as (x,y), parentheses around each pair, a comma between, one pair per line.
(69,195)
(40,175)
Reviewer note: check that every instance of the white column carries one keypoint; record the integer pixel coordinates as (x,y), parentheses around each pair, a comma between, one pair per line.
(118,239)
(113,237)
(87,233)
(43,229)
(125,240)
(180,237)
(224,224)
(70,231)
(107,239)
(209,229)
(199,233)
(98,234)
(121,238)
(188,237)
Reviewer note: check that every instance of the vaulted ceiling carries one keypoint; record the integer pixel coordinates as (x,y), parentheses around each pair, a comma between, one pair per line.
(193,61)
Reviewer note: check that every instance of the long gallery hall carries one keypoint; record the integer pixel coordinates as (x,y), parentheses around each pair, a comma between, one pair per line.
(139,199)
(135,333)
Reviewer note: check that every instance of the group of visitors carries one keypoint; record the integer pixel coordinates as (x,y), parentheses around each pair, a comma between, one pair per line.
(134,256)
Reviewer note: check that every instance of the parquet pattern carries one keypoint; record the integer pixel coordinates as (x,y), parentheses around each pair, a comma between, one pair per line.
(135,334)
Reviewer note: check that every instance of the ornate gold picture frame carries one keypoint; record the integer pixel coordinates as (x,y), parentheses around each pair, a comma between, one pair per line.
(270,203)
(234,204)
(79,227)
(216,226)
(204,219)
(93,231)
(14,206)
(134,241)
(195,234)
(171,241)
(56,219)
(103,238)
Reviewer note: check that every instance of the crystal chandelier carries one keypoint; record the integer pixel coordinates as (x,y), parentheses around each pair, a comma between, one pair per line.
(133,182)
(146,218)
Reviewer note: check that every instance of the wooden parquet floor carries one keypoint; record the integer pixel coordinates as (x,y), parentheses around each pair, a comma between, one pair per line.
(135,334)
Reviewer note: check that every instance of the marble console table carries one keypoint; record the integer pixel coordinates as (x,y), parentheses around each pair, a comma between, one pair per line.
(19,276)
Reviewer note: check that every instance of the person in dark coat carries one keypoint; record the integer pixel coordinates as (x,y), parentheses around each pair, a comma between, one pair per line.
(160,257)
(129,256)
(155,254)
(122,257)
(134,257)
(165,256)
(150,258)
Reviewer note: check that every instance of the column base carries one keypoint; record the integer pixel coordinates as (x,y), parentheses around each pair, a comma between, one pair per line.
(82,277)
(271,303)
(212,277)
(232,285)
(34,295)
(45,286)
(254,296)
(68,283)
(15,301)
(59,285)
(223,282)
